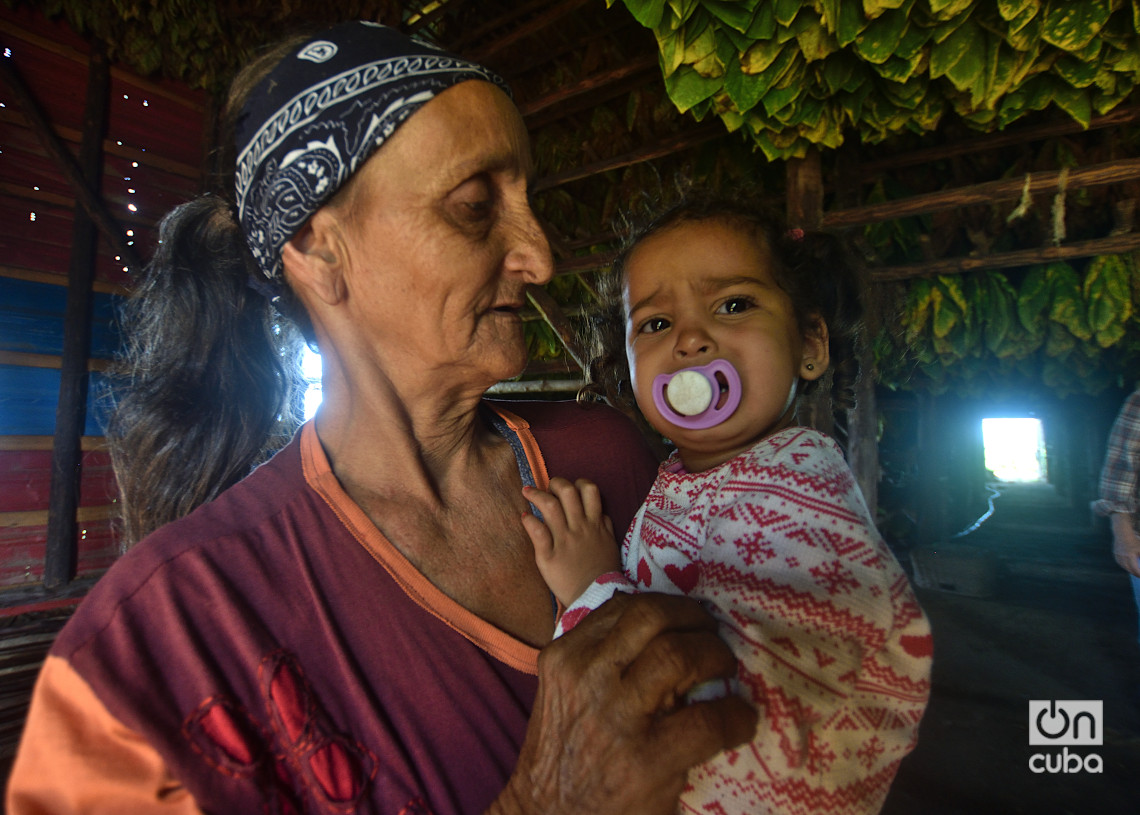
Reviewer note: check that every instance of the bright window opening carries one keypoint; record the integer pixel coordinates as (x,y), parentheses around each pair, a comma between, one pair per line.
(311,370)
(1015,449)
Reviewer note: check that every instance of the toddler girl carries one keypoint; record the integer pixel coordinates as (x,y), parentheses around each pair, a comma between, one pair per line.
(728,319)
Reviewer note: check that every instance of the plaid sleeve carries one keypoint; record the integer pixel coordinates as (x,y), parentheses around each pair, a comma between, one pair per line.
(1121,462)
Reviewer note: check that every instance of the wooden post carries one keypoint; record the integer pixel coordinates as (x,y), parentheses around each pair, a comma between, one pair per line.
(62,544)
(804,185)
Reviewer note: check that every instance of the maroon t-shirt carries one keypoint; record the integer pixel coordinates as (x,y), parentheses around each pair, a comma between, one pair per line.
(281,655)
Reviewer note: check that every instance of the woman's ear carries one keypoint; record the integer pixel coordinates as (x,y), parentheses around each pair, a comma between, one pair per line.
(816,353)
(313,258)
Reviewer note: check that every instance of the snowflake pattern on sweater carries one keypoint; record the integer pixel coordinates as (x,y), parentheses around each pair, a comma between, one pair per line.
(834,649)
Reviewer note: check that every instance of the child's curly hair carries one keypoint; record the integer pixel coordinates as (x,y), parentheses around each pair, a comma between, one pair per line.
(816,269)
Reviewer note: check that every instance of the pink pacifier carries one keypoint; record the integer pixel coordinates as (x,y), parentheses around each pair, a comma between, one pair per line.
(688,397)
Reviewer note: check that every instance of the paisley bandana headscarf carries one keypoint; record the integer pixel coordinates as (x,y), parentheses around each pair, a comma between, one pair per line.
(322,111)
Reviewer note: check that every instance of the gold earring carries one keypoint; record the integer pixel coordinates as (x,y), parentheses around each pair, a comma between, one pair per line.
(810,366)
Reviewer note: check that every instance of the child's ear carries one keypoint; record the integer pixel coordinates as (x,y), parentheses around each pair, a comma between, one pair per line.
(816,355)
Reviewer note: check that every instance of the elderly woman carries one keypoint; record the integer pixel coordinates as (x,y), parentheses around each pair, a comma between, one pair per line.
(356,626)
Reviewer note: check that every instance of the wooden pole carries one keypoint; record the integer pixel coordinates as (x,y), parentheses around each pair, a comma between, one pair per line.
(1112,172)
(804,185)
(73,172)
(863,419)
(1112,245)
(62,543)
(665,147)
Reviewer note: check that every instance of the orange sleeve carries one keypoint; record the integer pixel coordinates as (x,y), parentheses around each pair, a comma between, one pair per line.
(74,756)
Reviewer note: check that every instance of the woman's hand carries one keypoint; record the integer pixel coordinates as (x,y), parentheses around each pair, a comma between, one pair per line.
(1125,543)
(610,732)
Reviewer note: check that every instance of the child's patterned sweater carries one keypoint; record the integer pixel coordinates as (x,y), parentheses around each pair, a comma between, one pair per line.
(834,650)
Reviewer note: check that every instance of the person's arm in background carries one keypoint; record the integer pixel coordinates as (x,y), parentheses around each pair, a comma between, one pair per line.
(1118,481)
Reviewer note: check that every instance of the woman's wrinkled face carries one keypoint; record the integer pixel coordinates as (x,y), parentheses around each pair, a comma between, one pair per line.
(441,241)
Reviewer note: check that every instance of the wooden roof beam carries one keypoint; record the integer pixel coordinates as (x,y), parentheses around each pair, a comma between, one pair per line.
(1112,172)
(68,166)
(1112,245)
(869,170)
(594,82)
(664,147)
(527,29)
(581,98)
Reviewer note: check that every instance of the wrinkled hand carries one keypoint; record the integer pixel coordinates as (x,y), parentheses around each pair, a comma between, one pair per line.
(1125,543)
(610,733)
(576,543)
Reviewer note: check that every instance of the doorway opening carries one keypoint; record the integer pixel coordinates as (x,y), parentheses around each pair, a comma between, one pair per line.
(1014,449)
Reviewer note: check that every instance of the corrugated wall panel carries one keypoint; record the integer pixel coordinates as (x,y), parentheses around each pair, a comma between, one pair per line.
(152,161)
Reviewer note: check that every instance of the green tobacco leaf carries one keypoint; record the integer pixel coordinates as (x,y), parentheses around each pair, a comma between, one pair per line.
(683,9)
(699,46)
(672,48)
(997,302)
(945,312)
(687,88)
(1077,73)
(764,25)
(1072,24)
(919,299)
(816,42)
(646,12)
(1033,299)
(952,286)
(947,9)
(913,39)
(786,11)
(738,15)
(745,90)
(842,71)
(758,58)
(1108,291)
(971,72)
(851,21)
(1076,102)
(947,53)
(873,8)
(1059,341)
(879,40)
(1068,306)
(1011,10)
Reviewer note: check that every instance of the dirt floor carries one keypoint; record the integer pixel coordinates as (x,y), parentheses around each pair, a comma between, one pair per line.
(1060,624)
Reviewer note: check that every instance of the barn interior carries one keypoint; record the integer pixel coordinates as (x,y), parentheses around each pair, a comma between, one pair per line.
(984,158)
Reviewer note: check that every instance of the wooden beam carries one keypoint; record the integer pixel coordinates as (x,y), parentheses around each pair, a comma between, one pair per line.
(120,74)
(1062,127)
(529,29)
(52,279)
(84,189)
(805,190)
(664,147)
(591,83)
(586,263)
(26,444)
(1112,172)
(111,147)
(40,517)
(71,411)
(46,361)
(1112,245)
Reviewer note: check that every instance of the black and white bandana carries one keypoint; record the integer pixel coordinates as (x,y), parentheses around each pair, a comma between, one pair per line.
(320,114)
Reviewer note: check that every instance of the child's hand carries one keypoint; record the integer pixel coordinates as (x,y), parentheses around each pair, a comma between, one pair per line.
(576,544)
